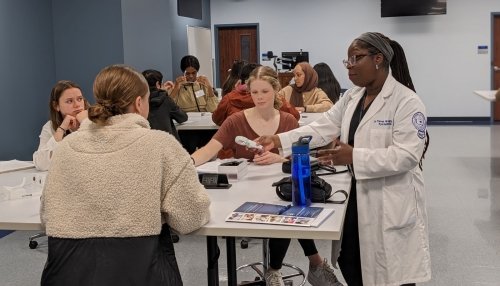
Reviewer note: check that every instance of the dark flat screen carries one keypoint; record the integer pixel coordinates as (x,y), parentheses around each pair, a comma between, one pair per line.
(400,8)
(190,8)
(291,59)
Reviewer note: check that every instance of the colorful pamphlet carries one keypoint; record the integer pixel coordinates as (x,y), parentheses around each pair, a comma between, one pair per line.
(253,212)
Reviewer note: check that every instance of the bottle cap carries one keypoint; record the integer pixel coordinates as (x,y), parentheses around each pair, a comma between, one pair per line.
(302,145)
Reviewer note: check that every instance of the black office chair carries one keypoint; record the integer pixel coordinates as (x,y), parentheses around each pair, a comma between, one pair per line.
(264,265)
(32,242)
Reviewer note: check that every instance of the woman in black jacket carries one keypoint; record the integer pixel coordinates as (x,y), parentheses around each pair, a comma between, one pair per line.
(162,109)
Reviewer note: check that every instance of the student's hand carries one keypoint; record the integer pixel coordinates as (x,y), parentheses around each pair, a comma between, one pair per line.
(180,80)
(267,158)
(300,109)
(168,85)
(340,154)
(70,122)
(269,142)
(82,116)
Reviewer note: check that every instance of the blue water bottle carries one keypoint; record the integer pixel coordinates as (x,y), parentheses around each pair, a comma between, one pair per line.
(301,172)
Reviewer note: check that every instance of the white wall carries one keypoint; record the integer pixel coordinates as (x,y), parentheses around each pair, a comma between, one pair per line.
(441,50)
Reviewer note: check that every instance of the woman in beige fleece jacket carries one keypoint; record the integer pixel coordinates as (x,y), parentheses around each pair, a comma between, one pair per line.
(113,190)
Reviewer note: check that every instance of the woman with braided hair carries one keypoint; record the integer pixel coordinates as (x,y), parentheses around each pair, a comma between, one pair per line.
(382,127)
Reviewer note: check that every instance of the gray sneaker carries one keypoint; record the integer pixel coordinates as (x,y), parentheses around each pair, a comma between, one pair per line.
(274,278)
(322,276)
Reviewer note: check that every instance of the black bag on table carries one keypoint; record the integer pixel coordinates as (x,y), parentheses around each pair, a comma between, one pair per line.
(321,191)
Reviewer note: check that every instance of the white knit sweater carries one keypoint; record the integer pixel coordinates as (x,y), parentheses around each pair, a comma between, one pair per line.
(121,180)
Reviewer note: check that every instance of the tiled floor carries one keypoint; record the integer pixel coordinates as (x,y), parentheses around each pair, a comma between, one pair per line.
(462,172)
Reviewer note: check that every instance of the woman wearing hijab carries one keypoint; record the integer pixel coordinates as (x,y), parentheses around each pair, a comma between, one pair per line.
(304,94)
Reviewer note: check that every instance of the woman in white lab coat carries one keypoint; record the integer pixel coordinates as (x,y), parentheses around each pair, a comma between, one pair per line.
(382,128)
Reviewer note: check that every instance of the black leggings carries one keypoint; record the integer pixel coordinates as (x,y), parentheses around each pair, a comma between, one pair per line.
(350,259)
(279,246)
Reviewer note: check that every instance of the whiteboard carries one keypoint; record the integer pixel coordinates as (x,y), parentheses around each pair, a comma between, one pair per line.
(200,46)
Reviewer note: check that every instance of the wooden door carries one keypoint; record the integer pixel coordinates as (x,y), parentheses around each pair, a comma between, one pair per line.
(235,43)
(495,64)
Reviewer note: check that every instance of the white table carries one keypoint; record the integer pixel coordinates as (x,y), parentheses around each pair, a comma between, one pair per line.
(198,121)
(23,214)
(203,121)
(256,186)
(19,214)
(486,94)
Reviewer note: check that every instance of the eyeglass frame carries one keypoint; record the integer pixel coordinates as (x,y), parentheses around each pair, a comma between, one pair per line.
(354,59)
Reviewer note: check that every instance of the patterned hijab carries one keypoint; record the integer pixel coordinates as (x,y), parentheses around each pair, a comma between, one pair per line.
(310,82)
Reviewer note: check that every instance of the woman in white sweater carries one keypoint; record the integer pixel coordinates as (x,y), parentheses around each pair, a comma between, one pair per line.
(67,110)
(113,191)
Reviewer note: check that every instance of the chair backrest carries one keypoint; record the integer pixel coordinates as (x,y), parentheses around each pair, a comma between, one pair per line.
(342,91)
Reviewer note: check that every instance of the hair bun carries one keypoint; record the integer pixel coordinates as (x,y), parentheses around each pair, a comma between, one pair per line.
(99,113)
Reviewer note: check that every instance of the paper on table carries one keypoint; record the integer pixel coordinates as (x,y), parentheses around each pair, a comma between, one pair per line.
(14,165)
(31,185)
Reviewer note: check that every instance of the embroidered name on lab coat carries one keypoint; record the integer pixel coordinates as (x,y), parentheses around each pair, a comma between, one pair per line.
(383,122)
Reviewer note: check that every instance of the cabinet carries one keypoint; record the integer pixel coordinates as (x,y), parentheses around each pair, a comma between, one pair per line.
(284,78)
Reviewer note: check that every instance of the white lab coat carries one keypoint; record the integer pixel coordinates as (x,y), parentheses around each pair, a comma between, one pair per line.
(388,144)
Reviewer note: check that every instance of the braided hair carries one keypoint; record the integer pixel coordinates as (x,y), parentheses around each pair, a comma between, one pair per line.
(401,72)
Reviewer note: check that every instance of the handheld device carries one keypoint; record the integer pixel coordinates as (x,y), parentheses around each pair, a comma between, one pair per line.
(243,141)
(214,181)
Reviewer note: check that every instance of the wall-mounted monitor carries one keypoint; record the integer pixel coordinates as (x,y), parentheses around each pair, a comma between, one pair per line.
(290,59)
(190,8)
(399,8)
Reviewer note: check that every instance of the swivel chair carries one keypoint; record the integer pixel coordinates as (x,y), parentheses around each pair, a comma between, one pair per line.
(264,264)
(32,242)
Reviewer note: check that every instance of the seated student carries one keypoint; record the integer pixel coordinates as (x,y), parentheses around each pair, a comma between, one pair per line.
(233,77)
(304,93)
(252,122)
(114,190)
(162,109)
(191,92)
(240,99)
(327,81)
(67,110)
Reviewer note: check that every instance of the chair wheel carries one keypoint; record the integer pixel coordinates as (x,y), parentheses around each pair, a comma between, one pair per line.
(175,238)
(244,244)
(33,244)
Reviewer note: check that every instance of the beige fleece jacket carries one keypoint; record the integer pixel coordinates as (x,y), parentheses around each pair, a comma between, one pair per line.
(315,100)
(121,180)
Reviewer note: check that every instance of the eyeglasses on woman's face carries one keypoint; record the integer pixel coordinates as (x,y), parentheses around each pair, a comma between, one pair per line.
(354,59)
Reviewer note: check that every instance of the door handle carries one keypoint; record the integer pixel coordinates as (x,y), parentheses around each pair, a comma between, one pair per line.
(495,68)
